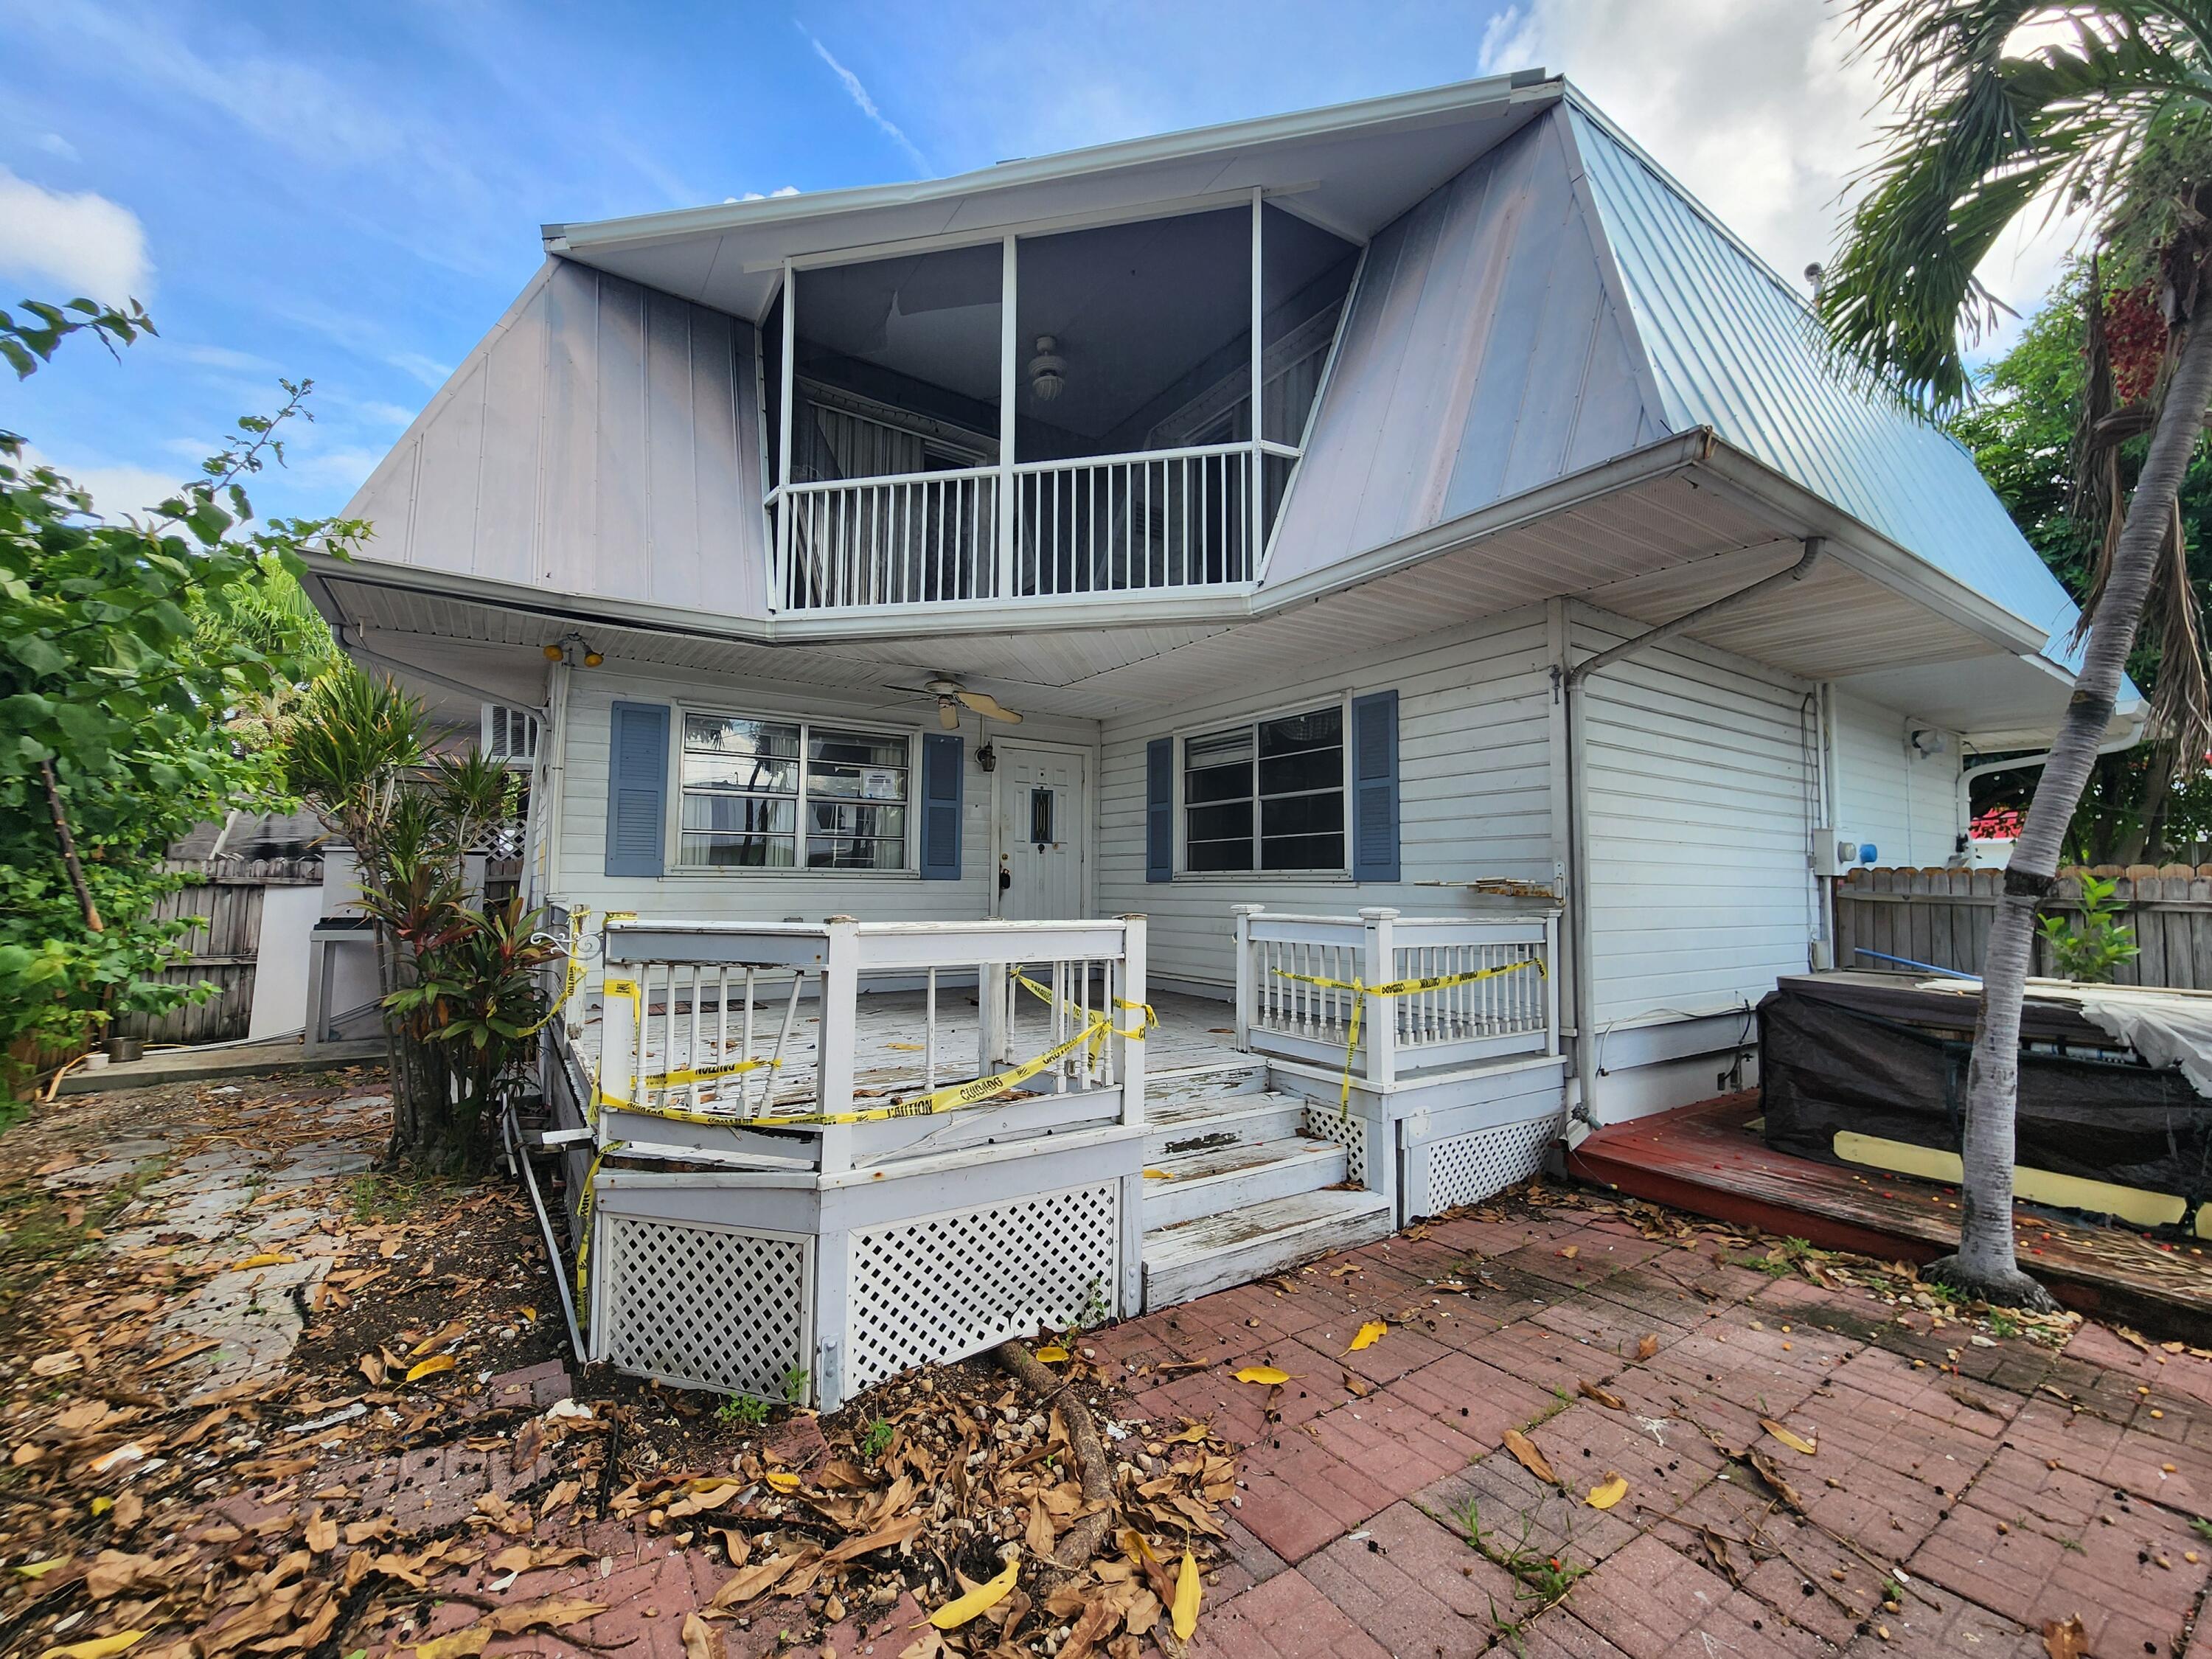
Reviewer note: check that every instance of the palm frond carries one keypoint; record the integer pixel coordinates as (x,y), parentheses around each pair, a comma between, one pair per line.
(1982,135)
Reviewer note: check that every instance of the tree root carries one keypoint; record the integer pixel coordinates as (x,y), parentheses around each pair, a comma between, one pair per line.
(2010,1289)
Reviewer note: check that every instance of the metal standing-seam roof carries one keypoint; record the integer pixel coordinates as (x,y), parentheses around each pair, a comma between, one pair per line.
(1734,347)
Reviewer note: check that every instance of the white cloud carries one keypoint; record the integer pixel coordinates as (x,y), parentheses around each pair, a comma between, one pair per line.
(54,144)
(82,242)
(1757,106)
(858,94)
(118,489)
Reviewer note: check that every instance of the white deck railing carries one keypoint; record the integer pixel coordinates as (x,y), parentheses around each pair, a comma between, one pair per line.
(758,1025)
(1499,998)
(1159,521)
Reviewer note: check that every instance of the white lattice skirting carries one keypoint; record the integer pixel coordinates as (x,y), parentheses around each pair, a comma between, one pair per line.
(1330,1123)
(1466,1169)
(944,1286)
(706,1306)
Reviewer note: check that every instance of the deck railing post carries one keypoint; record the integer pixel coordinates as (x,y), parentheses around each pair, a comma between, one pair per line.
(990,1015)
(1378,1037)
(1132,1050)
(619,1016)
(841,990)
(1552,984)
(1248,987)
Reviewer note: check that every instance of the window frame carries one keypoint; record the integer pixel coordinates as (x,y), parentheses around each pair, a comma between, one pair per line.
(909,737)
(1250,724)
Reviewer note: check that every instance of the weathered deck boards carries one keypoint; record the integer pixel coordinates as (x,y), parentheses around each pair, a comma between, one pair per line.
(1702,1158)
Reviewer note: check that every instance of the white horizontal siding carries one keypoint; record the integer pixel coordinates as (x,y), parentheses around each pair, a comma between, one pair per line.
(1905,803)
(1698,771)
(767,895)
(1475,783)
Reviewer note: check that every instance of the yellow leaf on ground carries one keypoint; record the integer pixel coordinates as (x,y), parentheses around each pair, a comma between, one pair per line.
(1052,1354)
(1608,1491)
(1186,1598)
(985,1596)
(907,1048)
(1267,1374)
(1159,1175)
(1190,1434)
(463,1643)
(1796,1443)
(266,1259)
(100,1647)
(430,1367)
(1648,1346)
(783,1480)
(1531,1460)
(1369,1334)
(41,1568)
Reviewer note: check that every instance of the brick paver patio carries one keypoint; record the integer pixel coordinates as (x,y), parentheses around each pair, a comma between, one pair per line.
(1978,1485)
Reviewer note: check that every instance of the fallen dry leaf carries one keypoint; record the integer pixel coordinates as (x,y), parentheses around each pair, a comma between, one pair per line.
(698,1638)
(1605,1397)
(430,1367)
(1531,1460)
(1608,1491)
(1369,1334)
(1185,1616)
(100,1647)
(1268,1375)
(1648,1346)
(2064,1638)
(1796,1443)
(985,1596)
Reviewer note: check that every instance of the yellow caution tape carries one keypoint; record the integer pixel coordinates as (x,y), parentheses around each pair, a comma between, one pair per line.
(574,976)
(584,1222)
(1046,995)
(1396,988)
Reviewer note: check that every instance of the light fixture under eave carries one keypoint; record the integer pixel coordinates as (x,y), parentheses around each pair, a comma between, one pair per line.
(1048,370)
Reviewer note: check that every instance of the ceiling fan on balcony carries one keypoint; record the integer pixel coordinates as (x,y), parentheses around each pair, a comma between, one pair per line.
(950,695)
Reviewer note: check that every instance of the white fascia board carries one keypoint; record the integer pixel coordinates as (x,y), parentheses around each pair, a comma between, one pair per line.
(1399,110)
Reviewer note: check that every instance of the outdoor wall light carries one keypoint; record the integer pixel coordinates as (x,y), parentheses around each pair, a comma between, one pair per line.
(558,651)
(988,758)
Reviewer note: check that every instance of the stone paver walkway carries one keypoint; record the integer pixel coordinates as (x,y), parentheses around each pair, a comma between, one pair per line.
(1979,1487)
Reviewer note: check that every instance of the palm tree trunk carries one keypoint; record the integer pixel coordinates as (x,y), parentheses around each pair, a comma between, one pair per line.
(1986,1266)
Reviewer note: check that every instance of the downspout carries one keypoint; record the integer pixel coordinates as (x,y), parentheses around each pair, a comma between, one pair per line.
(1580,933)
(554,746)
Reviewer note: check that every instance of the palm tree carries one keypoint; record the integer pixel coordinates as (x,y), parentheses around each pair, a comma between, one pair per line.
(2109,113)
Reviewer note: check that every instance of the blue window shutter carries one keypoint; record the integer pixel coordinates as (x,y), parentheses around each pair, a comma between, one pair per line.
(637,788)
(940,805)
(1159,809)
(1374,787)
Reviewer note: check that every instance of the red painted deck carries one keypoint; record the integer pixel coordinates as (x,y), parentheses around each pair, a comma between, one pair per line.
(1702,1158)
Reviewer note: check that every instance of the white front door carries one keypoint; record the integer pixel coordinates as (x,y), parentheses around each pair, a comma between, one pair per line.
(1044,816)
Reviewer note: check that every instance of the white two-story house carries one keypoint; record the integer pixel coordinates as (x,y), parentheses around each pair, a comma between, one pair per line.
(1416,538)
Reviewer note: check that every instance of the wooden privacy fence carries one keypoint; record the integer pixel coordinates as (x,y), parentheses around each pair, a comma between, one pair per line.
(226,900)
(1941,917)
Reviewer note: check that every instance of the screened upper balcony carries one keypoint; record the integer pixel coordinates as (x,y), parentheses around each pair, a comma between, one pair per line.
(932,444)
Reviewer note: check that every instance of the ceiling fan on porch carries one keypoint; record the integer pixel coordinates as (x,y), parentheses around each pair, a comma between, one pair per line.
(950,695)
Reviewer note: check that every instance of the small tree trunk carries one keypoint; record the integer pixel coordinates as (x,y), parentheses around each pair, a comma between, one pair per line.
(92,921)
(1985,1264)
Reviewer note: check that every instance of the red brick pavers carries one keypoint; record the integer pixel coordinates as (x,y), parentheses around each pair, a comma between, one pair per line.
(1965,1488)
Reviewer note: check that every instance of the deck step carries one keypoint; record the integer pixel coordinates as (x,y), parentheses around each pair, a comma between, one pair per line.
(1212,1252)
(1185,1127)
(1226,1177)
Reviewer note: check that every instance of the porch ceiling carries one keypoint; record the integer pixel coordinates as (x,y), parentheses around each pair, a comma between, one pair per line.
(1650,549)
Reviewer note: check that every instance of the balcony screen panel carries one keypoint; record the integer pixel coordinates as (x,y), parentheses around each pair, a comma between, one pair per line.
(771,340)
(897,368)
(1151,323)
(1304,275)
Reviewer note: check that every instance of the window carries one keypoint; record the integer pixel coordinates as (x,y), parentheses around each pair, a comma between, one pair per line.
(509,735)
(1267,796)
(751,787)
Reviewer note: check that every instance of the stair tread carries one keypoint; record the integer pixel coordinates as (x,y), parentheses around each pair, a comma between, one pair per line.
(1180,1113)
(1249,1224)
(1223,1163)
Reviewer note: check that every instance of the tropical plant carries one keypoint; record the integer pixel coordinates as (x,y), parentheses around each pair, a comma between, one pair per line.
(1992,124)
(462,993)
(2089,951)
(126,645)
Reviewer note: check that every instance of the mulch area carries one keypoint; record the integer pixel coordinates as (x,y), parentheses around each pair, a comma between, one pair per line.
(260,1400)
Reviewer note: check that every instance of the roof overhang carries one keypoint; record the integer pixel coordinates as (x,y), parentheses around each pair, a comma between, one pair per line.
(1351,168)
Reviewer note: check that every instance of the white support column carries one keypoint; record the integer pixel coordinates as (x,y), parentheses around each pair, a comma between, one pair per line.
(840,1019)
(1132,1050)
(990,1015)
(1009,352)
(1247,989)
(1552,984)
(1255,539)
(833,1317)
(784,508)
(618,1022)
(1379,1040)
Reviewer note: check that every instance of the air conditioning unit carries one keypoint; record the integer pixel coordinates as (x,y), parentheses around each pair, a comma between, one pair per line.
(510,735)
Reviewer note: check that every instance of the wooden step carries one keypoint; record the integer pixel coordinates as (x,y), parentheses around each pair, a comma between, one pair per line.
(1212,1252)
(1215,1124)
(1228,1177)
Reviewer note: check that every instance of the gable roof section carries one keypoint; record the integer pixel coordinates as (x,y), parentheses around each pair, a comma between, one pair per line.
(1733,347)
(1488,351)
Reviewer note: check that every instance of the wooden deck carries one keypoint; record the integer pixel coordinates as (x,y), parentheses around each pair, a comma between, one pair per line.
(1703,1158)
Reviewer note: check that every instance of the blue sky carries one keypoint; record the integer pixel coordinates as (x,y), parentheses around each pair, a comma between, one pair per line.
(352,193)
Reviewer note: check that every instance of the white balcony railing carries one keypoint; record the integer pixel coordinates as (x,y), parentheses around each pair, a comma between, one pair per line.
(1160,521)
(1483,988)
(859,1035)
